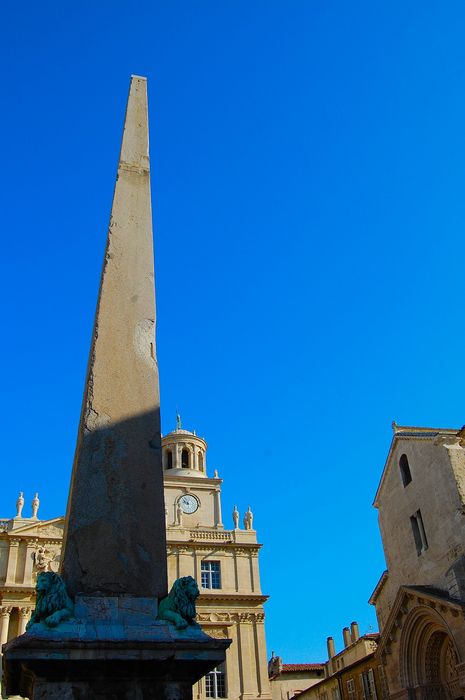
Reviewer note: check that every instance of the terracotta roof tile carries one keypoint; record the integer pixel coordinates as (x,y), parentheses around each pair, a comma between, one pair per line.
(288,668)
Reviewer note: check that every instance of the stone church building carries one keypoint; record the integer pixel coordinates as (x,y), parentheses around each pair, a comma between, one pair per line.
(420,598)
(223,561)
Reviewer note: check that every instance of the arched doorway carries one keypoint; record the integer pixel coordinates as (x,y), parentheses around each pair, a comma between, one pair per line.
(429,657)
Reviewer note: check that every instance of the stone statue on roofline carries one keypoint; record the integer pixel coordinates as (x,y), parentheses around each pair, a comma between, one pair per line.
(20,505)
(35,505)
(248,519)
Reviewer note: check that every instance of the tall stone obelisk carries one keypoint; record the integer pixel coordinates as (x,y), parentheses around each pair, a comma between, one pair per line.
(112,646)
(117,474)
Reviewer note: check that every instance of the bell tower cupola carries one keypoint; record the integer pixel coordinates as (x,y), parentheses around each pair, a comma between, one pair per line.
(184,452)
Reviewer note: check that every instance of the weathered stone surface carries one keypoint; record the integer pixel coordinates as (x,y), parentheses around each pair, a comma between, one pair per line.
(114,649)
(115,539)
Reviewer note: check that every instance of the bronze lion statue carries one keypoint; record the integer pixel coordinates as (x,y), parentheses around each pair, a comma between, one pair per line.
(179,605)
(53,604)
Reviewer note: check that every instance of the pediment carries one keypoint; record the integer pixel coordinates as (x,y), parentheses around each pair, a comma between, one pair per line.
(46,529)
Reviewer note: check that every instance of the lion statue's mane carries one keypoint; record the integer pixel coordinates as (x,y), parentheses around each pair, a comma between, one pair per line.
(179,605)
(53,604)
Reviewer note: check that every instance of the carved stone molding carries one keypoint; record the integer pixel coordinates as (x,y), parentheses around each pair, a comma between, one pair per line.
(214,617)
(218,632)
(246,618)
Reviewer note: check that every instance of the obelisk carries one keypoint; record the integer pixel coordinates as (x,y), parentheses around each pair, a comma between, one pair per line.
(115,539)
(109,643)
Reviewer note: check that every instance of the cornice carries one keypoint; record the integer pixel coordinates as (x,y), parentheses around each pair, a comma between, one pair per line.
(18,588)
(200,481)
(217,545)
(377,590)
(232,597)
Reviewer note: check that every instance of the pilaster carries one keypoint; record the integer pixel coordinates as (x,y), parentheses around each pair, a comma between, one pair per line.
(28,568)
(264,688)
(12,561)
(186,562)
(5,612)
(249,687)
(24,615)
(219,519)
(255,572)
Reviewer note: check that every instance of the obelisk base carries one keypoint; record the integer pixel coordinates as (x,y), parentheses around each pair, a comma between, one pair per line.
(114,650)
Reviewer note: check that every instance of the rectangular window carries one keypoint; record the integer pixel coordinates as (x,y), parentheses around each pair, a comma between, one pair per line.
(215,683)
(335,694)
(211,576)
(351,689)
(368,685)
(419,534)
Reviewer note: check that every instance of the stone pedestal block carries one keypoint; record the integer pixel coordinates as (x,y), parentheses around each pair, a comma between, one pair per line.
(114,649)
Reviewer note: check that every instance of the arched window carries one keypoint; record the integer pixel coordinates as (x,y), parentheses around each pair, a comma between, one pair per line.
(169,459)
(200,461)
(405,470)
(185,459)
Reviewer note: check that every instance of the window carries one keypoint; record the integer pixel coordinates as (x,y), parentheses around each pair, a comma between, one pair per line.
(185,459)
(335,694)
(351,689)
(215,683)
(405,470)
(368,685)
(169,459)
(211,576)
(419,534)
(200,461)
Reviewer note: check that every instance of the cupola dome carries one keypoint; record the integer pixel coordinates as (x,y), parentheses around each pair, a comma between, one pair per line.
(184,452)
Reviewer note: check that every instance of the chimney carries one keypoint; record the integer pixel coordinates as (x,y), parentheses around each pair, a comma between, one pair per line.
(354,631)
(331,647)
(346,636)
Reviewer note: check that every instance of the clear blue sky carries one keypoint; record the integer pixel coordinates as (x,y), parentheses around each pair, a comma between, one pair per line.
(308,163)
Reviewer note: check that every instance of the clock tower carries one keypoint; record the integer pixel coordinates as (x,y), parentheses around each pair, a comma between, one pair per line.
(223,561)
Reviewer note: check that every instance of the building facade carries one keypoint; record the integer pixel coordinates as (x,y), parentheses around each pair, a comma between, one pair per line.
(223,561)
(420,598)
(352,673)
(288,680)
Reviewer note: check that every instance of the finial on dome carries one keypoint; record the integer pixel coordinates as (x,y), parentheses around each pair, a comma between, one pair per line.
(178,421)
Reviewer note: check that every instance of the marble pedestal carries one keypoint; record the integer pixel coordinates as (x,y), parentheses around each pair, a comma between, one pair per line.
(113,650)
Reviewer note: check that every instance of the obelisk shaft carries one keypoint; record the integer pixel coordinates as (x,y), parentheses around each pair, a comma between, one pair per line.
(115,538)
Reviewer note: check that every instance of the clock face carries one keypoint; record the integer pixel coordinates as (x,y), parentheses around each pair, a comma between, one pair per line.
(188,503)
